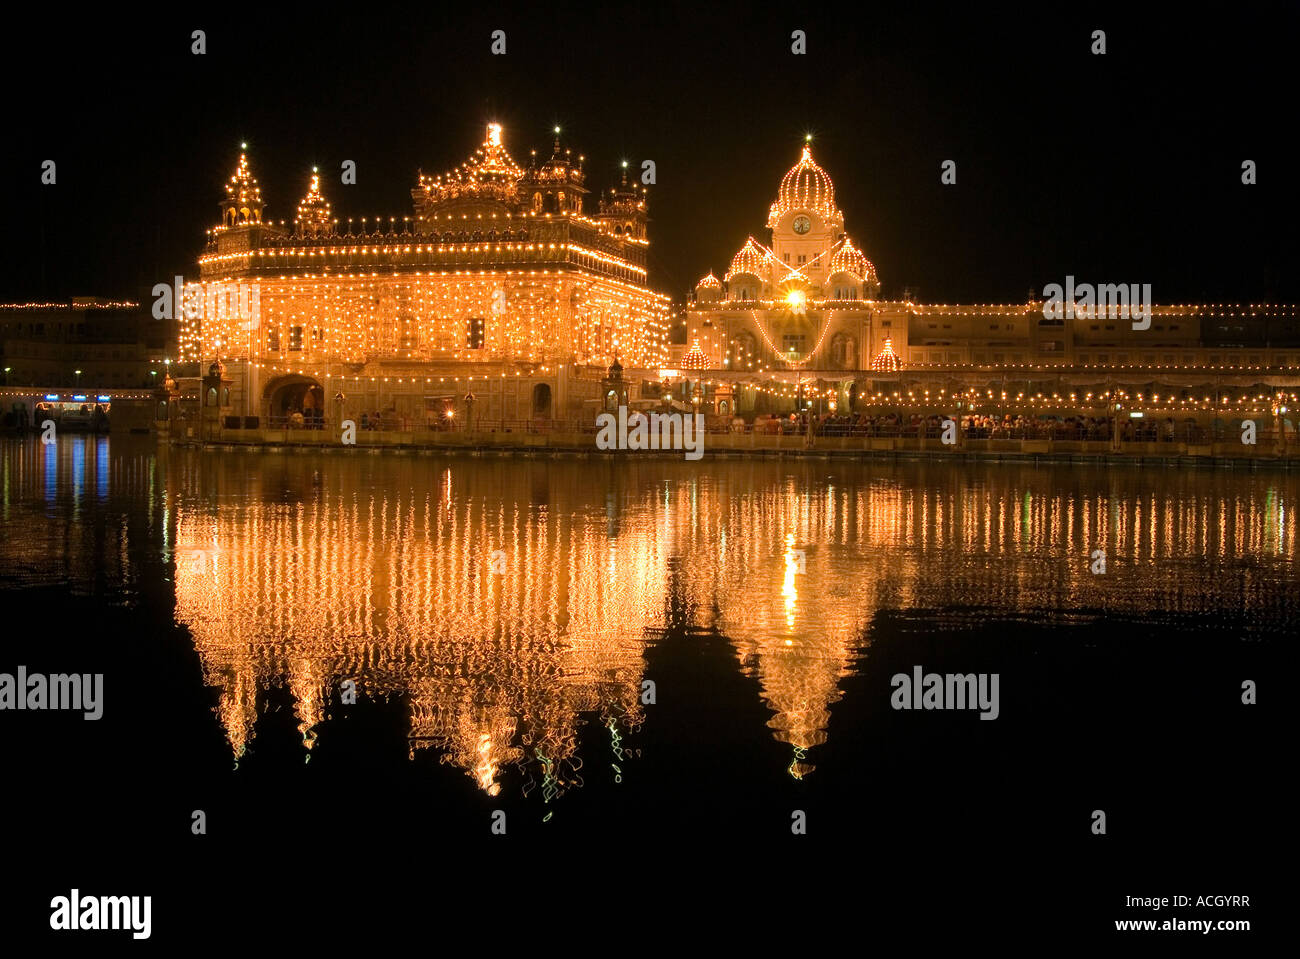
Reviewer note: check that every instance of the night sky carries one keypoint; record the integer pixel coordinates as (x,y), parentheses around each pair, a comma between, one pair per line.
(1117,168)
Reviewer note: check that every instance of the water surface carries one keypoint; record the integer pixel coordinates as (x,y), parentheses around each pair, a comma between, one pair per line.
(610,649)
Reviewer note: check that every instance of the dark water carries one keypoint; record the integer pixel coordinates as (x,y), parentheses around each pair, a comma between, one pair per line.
(501,619)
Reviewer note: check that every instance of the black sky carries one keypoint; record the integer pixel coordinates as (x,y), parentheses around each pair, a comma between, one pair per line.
(1117,168)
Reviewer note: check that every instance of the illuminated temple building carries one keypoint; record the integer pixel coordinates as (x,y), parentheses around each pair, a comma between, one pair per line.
(502,284)
(804,315)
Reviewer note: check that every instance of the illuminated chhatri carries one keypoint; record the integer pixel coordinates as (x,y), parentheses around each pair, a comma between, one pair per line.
(314,210)
(501,285)
(243,202)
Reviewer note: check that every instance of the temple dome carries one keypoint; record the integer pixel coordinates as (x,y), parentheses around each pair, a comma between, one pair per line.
(751,259)
(849,259)
(805,187)
(694,358)
(887,360)
(709,282)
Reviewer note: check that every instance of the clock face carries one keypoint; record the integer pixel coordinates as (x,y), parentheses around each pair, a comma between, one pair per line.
(802,224)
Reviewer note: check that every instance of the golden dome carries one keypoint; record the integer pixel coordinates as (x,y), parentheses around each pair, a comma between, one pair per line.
(751,259)
(709,282)
(887,360)
(490,171)
(694,358)
(805,187)
(849,259)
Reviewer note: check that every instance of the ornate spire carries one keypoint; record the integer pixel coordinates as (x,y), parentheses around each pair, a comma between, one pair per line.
(314,210)
(243,202)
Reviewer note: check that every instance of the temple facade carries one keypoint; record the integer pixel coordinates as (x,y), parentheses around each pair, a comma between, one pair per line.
(800,320)
(503,297)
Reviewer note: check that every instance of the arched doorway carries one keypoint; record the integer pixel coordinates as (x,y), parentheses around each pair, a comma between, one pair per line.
(542,401)
(286,398)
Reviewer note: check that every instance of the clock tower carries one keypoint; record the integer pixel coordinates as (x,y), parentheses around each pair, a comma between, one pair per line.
(806,227)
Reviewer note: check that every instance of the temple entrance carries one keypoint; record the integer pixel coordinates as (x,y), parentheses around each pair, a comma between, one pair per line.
(294,401)
(542,401)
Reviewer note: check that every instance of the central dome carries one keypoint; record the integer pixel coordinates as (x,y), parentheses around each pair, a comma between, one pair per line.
(805,187)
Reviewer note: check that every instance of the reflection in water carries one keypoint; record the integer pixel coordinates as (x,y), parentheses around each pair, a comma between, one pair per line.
(507,601)
(500,615)
(52,533)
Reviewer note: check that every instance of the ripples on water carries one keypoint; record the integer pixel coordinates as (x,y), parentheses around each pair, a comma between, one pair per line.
(507,601)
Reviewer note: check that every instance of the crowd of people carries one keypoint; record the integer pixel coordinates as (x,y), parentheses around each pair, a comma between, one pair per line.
(977,426)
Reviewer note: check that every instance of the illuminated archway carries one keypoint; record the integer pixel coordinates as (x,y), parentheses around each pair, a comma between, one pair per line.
(293,393)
